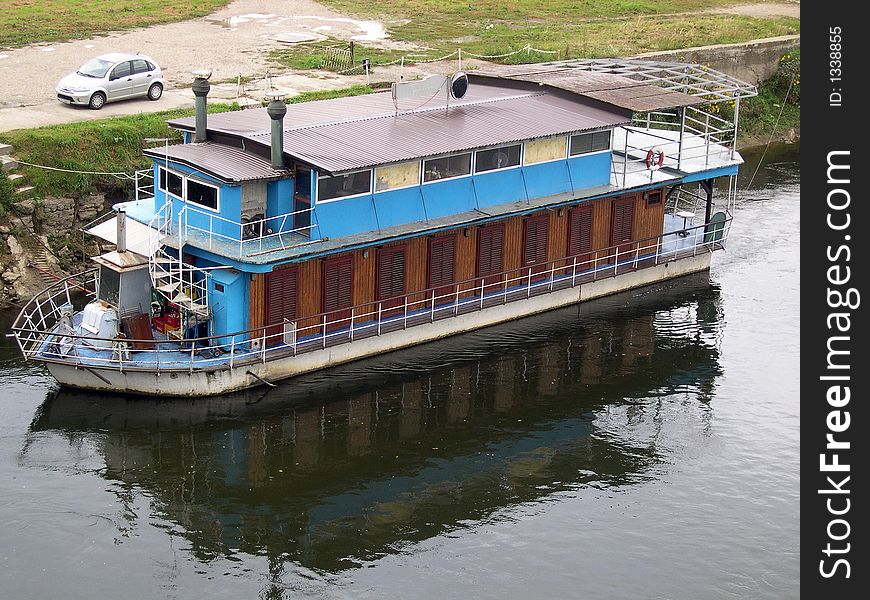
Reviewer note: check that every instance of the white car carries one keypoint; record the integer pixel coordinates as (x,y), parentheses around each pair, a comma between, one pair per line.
(112,77)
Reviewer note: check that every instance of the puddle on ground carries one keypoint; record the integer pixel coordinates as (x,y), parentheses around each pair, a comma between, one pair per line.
(363,30)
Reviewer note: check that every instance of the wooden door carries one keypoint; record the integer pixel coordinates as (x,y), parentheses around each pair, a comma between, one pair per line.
(580,219)
(490,254)
(282,300)
(622,228)
(338,291)
(535,243)
(442,267)
(391,278)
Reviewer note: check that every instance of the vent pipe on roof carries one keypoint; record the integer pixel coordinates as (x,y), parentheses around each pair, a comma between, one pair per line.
(201,88)
(121,233)
(277,109)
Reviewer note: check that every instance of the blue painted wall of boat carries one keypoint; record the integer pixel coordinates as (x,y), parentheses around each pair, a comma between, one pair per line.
(589,170)
(397,207)
(345,217)
(546,179)
(279,201)
(338,218)
(500,187)
(230,306)
(449,197)
(229,204)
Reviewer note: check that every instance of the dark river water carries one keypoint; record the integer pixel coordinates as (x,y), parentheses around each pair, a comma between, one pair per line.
(640,446)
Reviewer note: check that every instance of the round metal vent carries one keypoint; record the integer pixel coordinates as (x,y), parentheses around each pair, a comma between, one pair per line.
(458,84)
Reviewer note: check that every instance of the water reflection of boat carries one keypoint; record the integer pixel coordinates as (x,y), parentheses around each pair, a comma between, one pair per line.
(370,456)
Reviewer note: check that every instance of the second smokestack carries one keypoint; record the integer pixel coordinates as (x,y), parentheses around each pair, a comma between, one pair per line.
(201,88)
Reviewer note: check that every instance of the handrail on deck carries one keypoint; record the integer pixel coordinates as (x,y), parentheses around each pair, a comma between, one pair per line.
(36,329)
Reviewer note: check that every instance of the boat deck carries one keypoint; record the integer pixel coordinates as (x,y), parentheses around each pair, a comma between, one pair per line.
(166,355)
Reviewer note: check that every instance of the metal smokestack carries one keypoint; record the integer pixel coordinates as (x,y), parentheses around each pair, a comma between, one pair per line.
(121,233)
(276,110)
(201,88)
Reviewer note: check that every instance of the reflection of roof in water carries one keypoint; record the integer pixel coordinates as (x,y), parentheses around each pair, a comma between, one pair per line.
(400,456)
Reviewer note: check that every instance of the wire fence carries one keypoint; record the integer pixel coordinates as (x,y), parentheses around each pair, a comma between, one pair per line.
(416,59)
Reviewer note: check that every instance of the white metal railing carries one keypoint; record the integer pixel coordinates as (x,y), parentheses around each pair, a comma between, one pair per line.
(248,238)
(696,135)
(178,282)
(36,328)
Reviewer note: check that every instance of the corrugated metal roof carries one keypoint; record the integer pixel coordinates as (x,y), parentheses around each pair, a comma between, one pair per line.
(224,162)
(306,114)
(619,91)
(364,143)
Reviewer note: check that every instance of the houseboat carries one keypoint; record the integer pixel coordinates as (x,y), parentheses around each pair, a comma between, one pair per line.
(282,240)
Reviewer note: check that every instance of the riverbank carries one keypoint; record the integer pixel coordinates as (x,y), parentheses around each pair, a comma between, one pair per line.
(41,228)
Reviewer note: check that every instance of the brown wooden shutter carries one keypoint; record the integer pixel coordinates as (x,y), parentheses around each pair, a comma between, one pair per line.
(337,283)
(442,261)
(490,250)
(281,295)
(535,239)
(391,272)
(623,221)
(580,230)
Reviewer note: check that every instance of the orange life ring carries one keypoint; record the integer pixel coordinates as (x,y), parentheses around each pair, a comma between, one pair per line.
(655,156)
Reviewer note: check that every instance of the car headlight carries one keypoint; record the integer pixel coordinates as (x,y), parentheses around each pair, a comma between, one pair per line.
(78,90)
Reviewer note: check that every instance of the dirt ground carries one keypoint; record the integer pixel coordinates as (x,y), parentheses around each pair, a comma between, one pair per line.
(232,42)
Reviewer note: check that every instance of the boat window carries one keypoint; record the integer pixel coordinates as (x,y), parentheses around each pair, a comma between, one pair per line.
(497,158)
(202,194)
(341,186)
(172,183)
(392,177)
(110,284)
(545,149)
(446,167)
(584,143)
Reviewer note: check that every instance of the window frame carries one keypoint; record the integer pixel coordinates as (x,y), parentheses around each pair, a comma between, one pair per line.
(404,187)
(591,133)
(522,158)
(184,179)
(423,162)
(564,156)
(320,176)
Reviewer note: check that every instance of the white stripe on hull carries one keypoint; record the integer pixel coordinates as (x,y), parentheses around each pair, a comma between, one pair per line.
(206,383)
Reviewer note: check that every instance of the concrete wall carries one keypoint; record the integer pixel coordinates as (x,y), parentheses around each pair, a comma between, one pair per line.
(752,62)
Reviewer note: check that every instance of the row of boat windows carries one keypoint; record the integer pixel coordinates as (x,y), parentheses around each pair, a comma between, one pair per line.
(408,174)
(188,189)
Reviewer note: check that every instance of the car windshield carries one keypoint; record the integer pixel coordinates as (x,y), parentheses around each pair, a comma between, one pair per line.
(96,67)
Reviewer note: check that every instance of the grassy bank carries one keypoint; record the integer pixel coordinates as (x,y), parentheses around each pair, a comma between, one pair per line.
(111,145)
(29,21)
(563,28)
(778,104)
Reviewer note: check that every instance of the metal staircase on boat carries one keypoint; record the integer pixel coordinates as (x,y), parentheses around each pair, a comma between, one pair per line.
(175,280)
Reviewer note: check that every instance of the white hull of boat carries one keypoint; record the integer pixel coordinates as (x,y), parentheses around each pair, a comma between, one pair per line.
(212,382)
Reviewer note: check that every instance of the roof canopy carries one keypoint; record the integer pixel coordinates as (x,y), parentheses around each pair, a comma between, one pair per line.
(504,105)
(704,83)
(225,162)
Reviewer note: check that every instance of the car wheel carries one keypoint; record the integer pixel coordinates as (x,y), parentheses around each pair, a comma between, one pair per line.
(97,100)
(155,91)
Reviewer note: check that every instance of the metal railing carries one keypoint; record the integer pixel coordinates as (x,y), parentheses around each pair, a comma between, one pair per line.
(696,135)
(249,238)
(38,336)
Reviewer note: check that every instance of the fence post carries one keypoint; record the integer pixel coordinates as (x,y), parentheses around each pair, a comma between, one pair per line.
(323,332)
(380,313)
(432,315)
(351,324)
(405,319)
